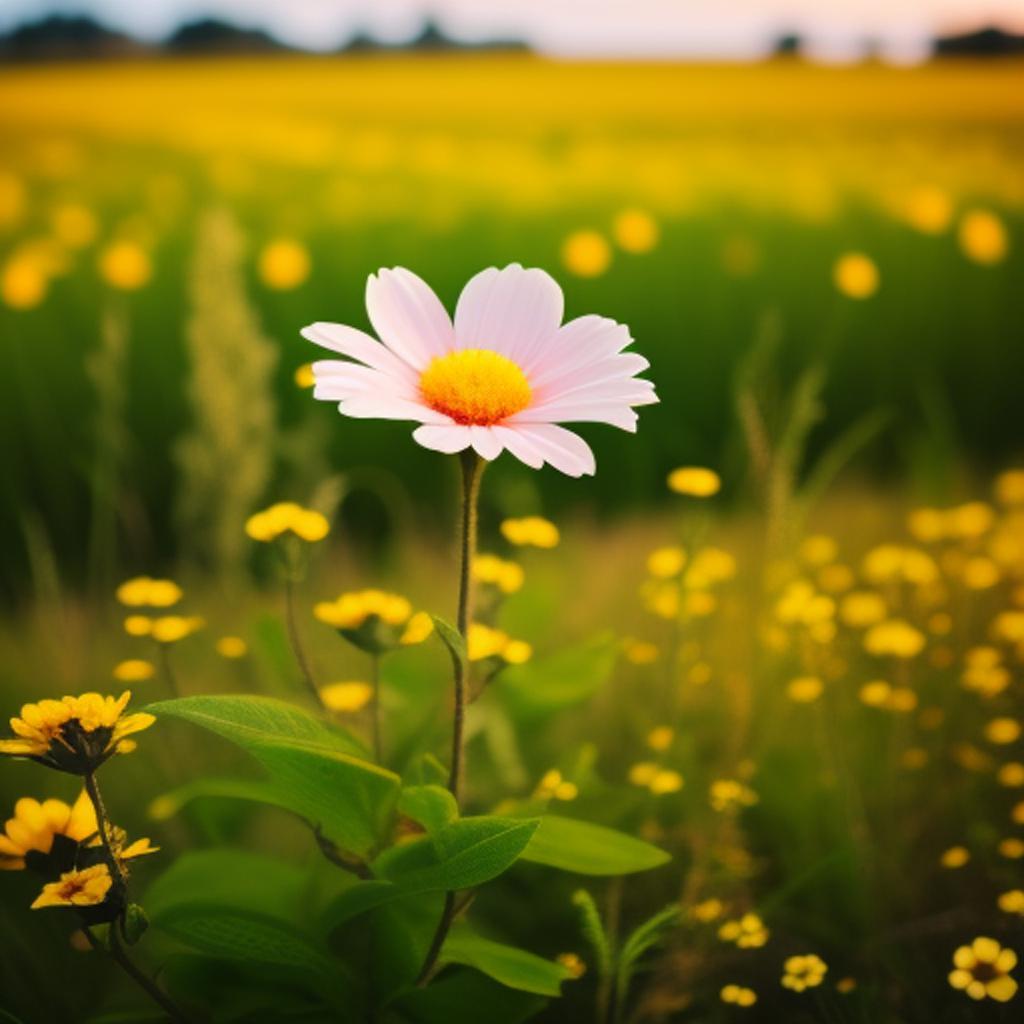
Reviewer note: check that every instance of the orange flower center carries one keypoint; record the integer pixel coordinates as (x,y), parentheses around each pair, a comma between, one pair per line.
(475,386)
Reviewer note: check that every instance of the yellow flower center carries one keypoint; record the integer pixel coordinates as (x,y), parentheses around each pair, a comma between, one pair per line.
(475,386)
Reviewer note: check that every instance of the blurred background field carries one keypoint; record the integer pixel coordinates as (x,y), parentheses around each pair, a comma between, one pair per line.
(840,247)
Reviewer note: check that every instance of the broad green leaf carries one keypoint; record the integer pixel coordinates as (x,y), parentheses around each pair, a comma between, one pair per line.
(543,686)
(315,770)
(232,878)
(475,850)
(247,936)
(457,997)
(433,807)
(450,637)
(513,967)
(590,849)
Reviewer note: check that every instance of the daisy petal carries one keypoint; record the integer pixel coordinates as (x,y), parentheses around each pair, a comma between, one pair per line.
(485,442)
(408,316)
(347,341)
(513,311)
(385,407)
(561,448)
(514,439)
(447,439)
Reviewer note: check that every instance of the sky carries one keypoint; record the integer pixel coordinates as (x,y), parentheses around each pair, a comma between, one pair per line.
(615,28)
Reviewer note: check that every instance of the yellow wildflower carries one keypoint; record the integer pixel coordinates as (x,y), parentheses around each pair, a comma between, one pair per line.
(417,629)
(144,592)
(86,888)
(729,795)
(125,265)
(346,697)
(232,647)
(303,376)
(1009,487)
(983,237)
(586,254)
(287,517)
(484,642)
(819,549)
(955,857)
(855,275)
(1011,775)
(805,689)
(35,824)
(635,231)
(983,969)
(1012,902)
(695,481)
(1003,731)
(738,995)
(639,652)
(862,608)
(666,563)
(895,638)
(803,972)
(506,576)
(134,670)
(572,963)
(352,610)
(530,531)
(747,932)
(169,629)
(284,264)
(707,910)
(660,738)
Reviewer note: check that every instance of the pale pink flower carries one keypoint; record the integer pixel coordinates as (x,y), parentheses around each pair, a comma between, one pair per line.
(503,376)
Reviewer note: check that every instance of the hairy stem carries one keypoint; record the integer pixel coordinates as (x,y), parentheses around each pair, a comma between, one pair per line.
(472,468)
(294,639)
(103,825)
(378,749)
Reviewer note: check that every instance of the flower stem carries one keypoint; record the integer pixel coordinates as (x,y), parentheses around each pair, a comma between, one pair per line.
(375,707)
(121,958)
(294,640)
(472,468)
(103,825)
(164,651)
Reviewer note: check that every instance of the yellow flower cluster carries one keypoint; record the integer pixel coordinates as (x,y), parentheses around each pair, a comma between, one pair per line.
(894,638)
(352,610)
(803,972)
(656,779)
(287,518)
(738,995)
(506,576)
(747,932)
(164,629)
(346,697)
(694,481)
(85,888)
(484,642)
(553,786)
(530,531)
(728,796)
(145,592)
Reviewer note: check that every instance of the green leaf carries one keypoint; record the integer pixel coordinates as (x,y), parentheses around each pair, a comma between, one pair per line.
(450,637)
(232,878)
(247,936)
(167,805)
(544,686)
(513,967)
(315,770)
(590,849)
(643,939)
(433,807)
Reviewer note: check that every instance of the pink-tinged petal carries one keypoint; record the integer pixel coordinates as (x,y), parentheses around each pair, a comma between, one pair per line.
(616,367)
(485,442)
(561,448)
(408,316)
(513,311)
(515,440)
(580,342)
(386,407)
(335,380)
(615,414)
(347,341)
(631,390)
(448,439)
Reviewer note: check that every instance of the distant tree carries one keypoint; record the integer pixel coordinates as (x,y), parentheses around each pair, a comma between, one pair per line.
(211,35)
(986,42)
(64,37)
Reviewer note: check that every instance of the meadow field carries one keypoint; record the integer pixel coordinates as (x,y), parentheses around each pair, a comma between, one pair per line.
(743,735)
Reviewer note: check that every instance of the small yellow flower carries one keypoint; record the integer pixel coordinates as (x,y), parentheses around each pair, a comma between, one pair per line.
(144,592)
(955,857)
(929,210)
(666,781)
(639,652)
(74,224)
(983,237)
(707,910)
(1012,902)
(125,265)
(1009,488)
(666,563)
(417,629)
(805,689)
(86,888)
(23,283)
(803,972)
(284,264)
(643,773)
(506,576)
(484,642)
(862,608)
(747,932)
(855,275)
(138,625)
(635,231)
(287,517)
(530,531)
(695,481)
(980,573)
(169,629)
(729,795)
(572,963)
(134,670)
(1011,775)
(895,638)
(818,550)
(876,693)
(983,969)
(1003,731)
(75,734)
(553,785)
(926,525)
(586,254)
(354,609)
(660,738)
(303,376)
(346,698)
(738,995)
(232,647)
(846,985)
(35,824)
